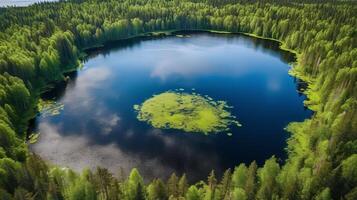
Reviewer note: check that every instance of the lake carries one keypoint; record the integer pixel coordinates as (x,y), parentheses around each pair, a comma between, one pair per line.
(99,127)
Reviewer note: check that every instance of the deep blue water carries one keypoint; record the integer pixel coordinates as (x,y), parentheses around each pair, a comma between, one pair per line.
(98,126)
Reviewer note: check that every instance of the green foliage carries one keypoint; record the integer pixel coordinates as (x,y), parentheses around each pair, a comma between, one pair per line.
(267,179)
(349,169)
(239,194)
(135,186)
(324,195)
(156,190)
(193,193)
(172,186)
(239,177)
(82,189)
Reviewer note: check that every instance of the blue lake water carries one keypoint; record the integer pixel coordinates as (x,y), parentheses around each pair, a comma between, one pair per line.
(98,126)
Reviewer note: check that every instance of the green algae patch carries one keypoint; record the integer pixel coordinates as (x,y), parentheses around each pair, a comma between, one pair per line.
(49,107)
(186,111)
(33,138)
(183,36)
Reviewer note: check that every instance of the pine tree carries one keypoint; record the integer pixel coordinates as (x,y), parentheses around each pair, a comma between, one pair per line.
(172,186)
(249,187)
(156,190)
(193,193)
(182,186)
(239,176)
(225,184)
(135,186)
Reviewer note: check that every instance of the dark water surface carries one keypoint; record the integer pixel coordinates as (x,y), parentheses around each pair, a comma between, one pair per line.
(98,126)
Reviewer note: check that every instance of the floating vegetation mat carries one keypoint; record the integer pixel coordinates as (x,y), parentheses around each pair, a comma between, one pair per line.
(189,112)
(183,36)
(49,107)
(33,138)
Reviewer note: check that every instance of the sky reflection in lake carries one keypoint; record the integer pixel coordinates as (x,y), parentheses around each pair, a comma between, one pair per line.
(5,3)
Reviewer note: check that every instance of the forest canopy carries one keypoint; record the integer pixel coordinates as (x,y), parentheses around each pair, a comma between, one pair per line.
(40,42)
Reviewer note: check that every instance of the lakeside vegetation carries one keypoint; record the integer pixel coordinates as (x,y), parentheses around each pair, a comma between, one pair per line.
(188,112)
(39,42)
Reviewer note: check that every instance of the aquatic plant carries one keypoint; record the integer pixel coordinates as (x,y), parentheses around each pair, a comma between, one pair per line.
(49,107)
(33,138)
(186,111)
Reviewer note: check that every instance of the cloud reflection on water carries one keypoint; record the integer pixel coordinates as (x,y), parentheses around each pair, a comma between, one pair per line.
(78,152)
(87,141)
(194,61)
(91,78)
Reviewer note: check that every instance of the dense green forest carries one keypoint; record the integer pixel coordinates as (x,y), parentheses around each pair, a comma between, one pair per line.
(40,42)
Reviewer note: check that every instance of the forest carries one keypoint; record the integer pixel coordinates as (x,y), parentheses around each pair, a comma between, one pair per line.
(40,42)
